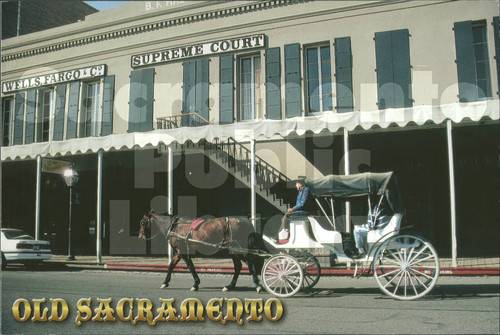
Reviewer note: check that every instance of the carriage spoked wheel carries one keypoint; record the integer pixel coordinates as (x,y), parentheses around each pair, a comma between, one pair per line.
(406,267)
(282,275)
(310,268)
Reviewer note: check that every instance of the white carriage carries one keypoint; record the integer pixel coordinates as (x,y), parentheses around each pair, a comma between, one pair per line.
(405,266)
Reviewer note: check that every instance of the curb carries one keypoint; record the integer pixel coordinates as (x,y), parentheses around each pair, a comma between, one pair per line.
(472,271)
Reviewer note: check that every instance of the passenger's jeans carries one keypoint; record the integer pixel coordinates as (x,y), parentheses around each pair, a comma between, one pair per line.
(360,234)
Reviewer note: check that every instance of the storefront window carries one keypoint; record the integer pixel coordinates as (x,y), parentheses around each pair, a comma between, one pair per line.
(319,79)
(7,108)
(249,87)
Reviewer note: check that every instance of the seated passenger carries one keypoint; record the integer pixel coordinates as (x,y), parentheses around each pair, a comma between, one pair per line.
(378,218)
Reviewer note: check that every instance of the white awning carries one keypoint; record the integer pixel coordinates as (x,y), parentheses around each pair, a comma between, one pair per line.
(260,129)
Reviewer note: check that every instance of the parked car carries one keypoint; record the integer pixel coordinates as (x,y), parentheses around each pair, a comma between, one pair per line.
(19,247)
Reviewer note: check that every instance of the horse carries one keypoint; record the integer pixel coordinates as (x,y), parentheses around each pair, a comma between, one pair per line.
(226,237)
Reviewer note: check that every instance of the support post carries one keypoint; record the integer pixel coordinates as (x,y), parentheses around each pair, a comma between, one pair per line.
(99,207)
(252,183)
(170,188)
(346,172)
(38,194)
(452,196)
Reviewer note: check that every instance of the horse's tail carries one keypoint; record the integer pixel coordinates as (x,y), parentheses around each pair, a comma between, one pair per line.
(256,244)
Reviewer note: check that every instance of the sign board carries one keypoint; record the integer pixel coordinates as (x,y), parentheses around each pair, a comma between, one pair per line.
(188,51)
(54,78)
(54,166)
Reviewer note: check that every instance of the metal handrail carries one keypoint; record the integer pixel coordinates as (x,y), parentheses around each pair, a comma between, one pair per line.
(236,156)
(181,120)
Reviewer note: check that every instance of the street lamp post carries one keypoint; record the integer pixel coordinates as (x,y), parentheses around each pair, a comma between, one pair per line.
(71,178)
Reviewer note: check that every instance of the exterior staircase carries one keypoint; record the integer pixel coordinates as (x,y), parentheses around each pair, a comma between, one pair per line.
(234,157)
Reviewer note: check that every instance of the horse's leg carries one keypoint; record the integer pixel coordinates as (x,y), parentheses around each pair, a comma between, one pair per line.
(171,267)
(253,271)
(237,270)
(191,268)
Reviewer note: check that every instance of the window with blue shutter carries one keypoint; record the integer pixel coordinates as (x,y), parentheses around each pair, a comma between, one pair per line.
(141,100)
(393,69)
(29,129)
(19,118)
(226,90)
(496,32)
(249,87)
(195,96)
(45,107)
(293,98)
(473,71)
(59,112)
(318,79)
(73,106)
(107,105)
(8,117)
(343,74)
(273,83)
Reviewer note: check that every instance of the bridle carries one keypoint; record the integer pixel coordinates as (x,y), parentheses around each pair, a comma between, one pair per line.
(146,223)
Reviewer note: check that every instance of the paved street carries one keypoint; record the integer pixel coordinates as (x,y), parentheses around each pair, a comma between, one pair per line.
(337,305)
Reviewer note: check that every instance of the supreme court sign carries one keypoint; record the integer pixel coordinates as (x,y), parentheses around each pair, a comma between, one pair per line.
(173,54)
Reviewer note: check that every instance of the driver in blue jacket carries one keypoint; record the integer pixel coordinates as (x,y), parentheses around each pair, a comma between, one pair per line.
(299,209)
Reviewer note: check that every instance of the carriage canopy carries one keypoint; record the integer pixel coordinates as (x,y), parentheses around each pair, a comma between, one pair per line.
(355,185)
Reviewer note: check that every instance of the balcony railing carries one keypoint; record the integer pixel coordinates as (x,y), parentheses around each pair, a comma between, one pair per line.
(181,120)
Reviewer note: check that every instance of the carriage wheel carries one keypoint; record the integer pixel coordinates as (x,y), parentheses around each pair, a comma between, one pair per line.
(282,275)
(406,267)
(311,269)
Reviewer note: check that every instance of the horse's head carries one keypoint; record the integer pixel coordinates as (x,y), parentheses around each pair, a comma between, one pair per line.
(145,224)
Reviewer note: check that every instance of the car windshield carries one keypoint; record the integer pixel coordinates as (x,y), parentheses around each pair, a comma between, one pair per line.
(15,233)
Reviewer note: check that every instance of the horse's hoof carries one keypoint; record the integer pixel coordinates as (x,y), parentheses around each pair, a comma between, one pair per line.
(193,289)
(163,286)
(258,289)
(225,289)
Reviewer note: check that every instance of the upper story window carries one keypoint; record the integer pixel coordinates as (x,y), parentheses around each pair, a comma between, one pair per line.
(8,120)
(90,110)
(45,115)
(473,68)
(249,87)
(319,79)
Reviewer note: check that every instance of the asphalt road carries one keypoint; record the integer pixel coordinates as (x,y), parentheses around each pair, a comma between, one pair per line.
(336,305)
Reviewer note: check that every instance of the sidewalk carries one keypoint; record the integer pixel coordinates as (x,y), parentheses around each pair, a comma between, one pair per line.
(466,266)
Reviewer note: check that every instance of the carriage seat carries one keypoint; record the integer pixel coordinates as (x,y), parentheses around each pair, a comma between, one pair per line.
(391,229)
(323,235)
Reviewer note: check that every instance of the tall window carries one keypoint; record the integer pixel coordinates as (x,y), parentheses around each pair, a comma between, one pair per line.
(249,87)
(45,115)
(319,79)
(481,59)
(91,110)
(473,68)
(8,112)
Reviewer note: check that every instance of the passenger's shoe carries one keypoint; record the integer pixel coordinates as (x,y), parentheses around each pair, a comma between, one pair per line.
(358,255)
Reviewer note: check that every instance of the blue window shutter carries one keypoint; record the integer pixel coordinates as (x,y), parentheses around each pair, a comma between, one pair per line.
(107,105)
(496,33)
(401,68)
(385,84)
(29,130)
(393,69)
(343,70)
(466,68)
(273,83)
(226,90)
(141,100)
(293,90)
(188,90)
(19,118)
(73,105)
(202,88)
(59,112)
